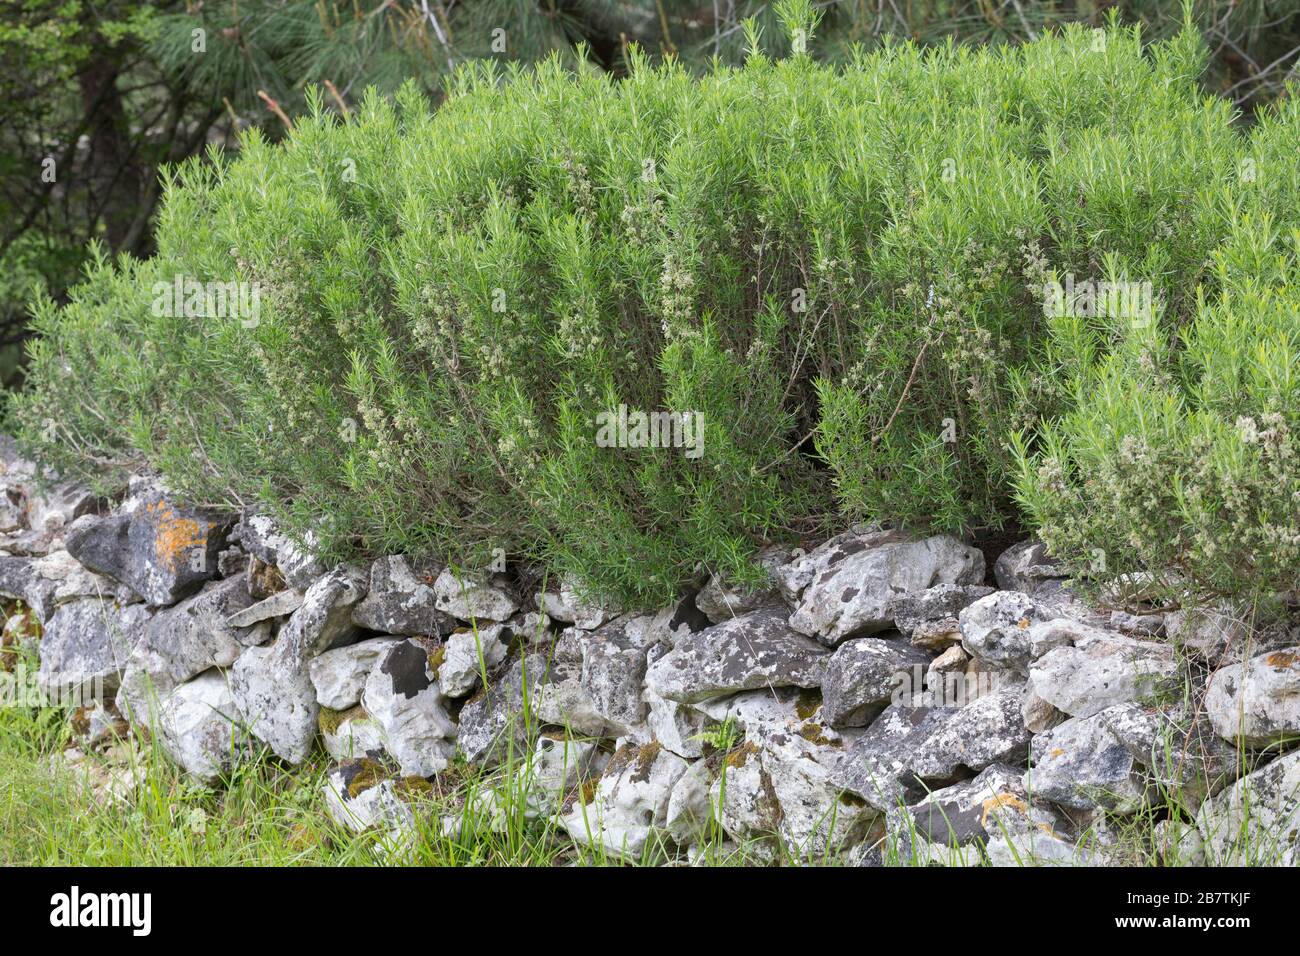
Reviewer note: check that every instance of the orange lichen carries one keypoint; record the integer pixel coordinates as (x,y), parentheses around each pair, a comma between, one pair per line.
(176,536)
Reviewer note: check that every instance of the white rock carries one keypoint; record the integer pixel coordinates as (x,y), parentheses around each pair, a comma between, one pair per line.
(202,729)
(358,804)
(467,596)
(853,594)
(1257,701)
(629,803)
(340,675)
(469,653)
(356,735)
(1102,670)
(402,695)
(1256,821)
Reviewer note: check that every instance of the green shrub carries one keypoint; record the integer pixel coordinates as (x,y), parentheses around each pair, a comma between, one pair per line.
(839,271)
(1182,455)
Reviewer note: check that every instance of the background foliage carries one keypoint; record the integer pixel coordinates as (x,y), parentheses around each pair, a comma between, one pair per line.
(112,89)
(450,297)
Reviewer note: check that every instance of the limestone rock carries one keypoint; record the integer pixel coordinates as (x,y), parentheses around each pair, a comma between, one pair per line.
(720,601)
(1101,670)
(1081,764)
(922,610)
(753,651)
(264,538)
(351,734)
(201,727)
(957,825)
(1207,631)
(853,594)
(278,605)
(629,801)
(85,647)
(1178,752)
(996,629)
(862,676)
(493,723)
(1256,821)
(183,641)
(467,596)
(469,653)
(568,606)
(1027,567)
(358,797)
(1257,701)
(876,766)
(402,600)
(324,620)
(986,731)
(558,696)
(403,697)
(161,550)
(273,691)
(340,675)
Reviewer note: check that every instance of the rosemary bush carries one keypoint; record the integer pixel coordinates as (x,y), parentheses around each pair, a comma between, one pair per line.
(838,271)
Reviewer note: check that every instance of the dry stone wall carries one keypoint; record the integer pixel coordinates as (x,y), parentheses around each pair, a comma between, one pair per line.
(886,697)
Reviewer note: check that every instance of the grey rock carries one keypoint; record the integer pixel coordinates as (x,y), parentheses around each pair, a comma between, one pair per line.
(558,695)
(959,825)
(1081,764)
(986,731)
(19,581)
(280,604)
(358,799)
(690,805)
(1207,632)
(719,601)
(201,728)
(402,599)
(85,647)
(264,538)
(1101,670)
(852,595)
(996,629)
(469,653)
(629,803)
(676,726)
(1178,752)
(274,692)
(324,620)
(1027,567)
(569,606)
(183,641)
(351,735)
(340,675)
(745,653)
(913,610)
(1256,821)
(467,596)
(1141,625)
(557,765)
(403,697)
(161,550)
(863,675)
(876,765)
(493,724)
(1257,701)
(613,673)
